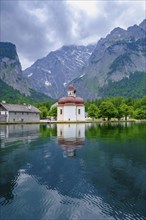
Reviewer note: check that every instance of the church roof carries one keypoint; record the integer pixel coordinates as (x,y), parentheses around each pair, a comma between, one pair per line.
(71,100)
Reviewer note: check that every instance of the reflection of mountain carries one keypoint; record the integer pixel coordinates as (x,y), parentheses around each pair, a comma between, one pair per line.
(70,137)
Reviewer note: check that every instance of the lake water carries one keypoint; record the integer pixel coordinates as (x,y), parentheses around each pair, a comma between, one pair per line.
(73,171)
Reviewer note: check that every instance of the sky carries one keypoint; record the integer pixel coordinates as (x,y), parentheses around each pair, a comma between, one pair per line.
(38,27)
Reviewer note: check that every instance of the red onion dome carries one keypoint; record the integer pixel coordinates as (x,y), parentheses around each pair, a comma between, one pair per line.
(79,100)
(62,100)
(71,100)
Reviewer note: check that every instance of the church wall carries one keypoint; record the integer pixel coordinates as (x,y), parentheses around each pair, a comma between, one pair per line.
(81,116)
(70,113)
(60,117)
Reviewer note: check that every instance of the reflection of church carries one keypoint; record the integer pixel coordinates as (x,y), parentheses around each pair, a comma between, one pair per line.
(70,138)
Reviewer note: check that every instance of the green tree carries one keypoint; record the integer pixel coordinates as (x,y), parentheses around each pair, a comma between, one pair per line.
(53,111)
(107,110)
(126,110)
(140,113)
(93,111)
(44,112)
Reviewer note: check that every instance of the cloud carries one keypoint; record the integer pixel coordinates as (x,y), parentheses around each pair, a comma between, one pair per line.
(37,27)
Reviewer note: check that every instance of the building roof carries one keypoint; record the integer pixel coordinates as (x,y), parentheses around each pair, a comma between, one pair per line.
(70,100)
(20,108)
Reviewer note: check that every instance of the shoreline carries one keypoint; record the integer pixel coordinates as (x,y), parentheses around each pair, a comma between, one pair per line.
(74,122)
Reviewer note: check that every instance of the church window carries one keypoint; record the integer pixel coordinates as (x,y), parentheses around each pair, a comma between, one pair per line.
(60,111)
(79,111)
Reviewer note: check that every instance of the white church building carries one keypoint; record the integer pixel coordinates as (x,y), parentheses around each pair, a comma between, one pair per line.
(71,107)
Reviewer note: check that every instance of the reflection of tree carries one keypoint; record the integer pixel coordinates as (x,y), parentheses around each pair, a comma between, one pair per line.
(115,135)
(48,130)
(116,132)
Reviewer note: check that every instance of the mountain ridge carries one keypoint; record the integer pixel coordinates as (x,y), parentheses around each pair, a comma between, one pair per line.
(51,73)
(119,54)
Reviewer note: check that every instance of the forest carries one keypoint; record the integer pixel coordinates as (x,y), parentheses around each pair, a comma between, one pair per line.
(107,109)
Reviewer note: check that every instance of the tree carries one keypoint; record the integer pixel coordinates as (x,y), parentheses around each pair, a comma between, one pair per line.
(140,113)
(44,112)
(93,111)
(127,110)
(107,110)
(120,113)
(53,111)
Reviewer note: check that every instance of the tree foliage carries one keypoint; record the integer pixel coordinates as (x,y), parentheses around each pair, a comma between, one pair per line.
(53,111)
(93,111)
(117,107)
(107,110)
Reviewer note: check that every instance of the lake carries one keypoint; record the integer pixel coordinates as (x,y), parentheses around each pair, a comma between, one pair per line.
(73,171)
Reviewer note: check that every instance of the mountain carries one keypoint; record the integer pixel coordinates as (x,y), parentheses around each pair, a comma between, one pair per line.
(50,74)
(117,58)
(13,86)
(10,71)
(10,95)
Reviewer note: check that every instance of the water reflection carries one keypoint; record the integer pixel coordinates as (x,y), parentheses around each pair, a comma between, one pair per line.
(106,180)
(14,143)
(70,138)
(18,133)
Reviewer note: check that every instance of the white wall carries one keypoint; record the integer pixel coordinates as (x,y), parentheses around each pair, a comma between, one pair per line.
(81,116)
(60,117)
(70,113)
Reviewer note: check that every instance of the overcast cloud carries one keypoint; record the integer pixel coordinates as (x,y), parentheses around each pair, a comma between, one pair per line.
(38,27)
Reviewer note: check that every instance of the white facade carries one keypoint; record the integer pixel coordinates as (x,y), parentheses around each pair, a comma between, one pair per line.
(71,113)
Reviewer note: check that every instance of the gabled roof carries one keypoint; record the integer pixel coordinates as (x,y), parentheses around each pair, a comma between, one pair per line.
(20,108)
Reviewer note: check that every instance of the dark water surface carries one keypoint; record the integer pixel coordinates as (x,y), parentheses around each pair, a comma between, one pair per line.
(73,171)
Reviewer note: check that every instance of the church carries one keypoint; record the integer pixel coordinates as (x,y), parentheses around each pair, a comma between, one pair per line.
(71,108)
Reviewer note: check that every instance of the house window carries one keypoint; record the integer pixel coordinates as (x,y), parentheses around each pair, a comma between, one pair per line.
(60,111)
(79,111)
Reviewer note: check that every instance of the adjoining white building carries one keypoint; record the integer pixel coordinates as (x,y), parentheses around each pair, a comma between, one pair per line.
(71,108)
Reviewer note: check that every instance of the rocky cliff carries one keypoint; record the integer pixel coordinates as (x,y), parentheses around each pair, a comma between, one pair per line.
(14,88)
(10,68)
